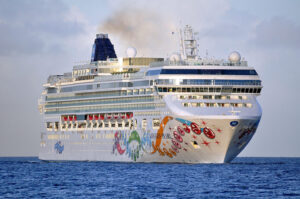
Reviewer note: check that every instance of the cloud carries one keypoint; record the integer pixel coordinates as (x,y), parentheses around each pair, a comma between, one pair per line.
(148,26)
(37,38)
(277,32)
(28,27)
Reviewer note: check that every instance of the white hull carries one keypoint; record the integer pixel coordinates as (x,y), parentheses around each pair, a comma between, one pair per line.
(99,145)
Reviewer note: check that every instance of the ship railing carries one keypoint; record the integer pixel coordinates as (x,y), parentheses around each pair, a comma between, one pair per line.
(201,62)
(124,76)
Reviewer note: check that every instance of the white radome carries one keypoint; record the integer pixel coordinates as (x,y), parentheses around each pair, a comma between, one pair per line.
(235,57)
(131,52)
(175,57)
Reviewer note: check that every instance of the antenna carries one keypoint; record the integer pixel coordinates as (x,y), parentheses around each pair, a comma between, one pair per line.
(182,47)
(188,43)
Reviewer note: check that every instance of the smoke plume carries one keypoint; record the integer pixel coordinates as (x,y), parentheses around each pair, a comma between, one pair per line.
(149,32)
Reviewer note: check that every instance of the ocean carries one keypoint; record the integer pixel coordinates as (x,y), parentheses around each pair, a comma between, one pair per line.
(243,178)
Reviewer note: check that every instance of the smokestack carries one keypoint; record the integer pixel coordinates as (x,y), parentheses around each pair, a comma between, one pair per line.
(102,48)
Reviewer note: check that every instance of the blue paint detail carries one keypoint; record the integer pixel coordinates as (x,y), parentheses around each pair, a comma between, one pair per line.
(59,147)
(102,49)
(184,121)
(234,123)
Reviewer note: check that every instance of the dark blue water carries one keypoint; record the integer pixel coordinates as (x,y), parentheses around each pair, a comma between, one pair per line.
(244,177)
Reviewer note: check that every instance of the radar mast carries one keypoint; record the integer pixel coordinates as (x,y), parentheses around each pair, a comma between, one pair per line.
(188,43)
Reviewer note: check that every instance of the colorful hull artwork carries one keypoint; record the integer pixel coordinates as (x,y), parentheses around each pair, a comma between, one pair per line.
(175,140)
(133,146)
(178,133)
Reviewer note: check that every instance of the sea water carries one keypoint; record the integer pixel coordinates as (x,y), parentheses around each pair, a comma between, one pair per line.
(244,178)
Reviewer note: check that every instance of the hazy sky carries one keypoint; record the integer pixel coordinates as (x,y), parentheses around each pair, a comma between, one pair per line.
(39,38)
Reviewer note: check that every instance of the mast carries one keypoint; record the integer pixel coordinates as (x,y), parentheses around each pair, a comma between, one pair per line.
(188,43)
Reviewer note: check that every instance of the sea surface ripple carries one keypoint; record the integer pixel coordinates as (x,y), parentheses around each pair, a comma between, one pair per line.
(243,178)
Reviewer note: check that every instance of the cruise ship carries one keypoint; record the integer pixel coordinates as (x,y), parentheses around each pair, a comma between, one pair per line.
(180,109)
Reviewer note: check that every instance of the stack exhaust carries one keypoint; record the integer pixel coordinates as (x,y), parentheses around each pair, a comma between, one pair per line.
(102,48)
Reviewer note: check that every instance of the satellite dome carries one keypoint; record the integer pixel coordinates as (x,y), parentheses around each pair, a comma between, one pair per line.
(234,57)
(131,52)
(175,57)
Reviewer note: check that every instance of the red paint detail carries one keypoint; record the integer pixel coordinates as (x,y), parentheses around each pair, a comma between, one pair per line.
(185,149)
(101,117)
(194,137)
(75,117)
(195,128)
(174,148)
(205,143)
(204,123)
(186,128)
(180,130)
(217,142)
(219,130)
(120,150)
(176,144)
(96,117)
(186,143)
(177,136)
(209,133)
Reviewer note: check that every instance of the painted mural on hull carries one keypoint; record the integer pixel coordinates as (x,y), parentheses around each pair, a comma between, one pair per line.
(173,137)
(178,141)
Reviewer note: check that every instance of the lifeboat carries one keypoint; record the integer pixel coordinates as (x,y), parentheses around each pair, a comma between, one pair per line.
(123,115)
(116,116)
(65,118)
(129,115)
(108,116)
(101,117)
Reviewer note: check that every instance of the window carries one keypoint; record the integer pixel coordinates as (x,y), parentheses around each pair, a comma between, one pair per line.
(155,123)
(202,72)
(207,97)
(144,124)
(258,90)
(126,124)
(95,125)
(49,126)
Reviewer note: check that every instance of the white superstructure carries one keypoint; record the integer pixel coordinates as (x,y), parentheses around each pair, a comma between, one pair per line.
(136,109)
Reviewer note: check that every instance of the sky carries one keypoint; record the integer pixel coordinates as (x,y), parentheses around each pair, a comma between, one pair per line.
(42,38)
